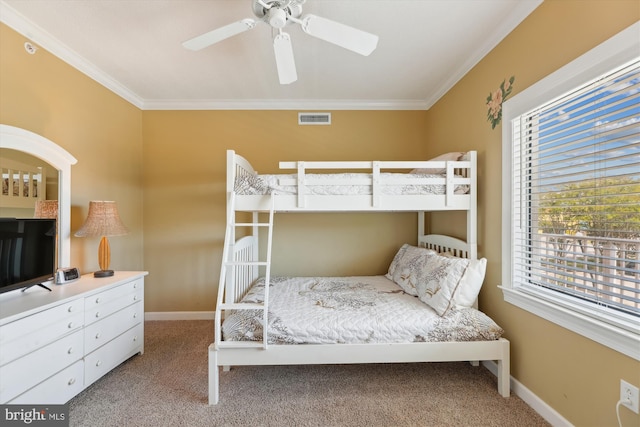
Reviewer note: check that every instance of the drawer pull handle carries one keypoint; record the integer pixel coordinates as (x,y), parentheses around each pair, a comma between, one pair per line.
(135,297)
(135,339)
(97,314)
(71,325)
(70,309)
(98,363)
(70,351)
(98,300)
(72,381)
(135,285)
(98,335)
(135,315)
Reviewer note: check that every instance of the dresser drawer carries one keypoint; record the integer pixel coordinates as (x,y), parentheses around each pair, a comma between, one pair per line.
(107,357)
(101,305)
(35,322)
(32,339)
(99,333)
(20,375)
(56,390)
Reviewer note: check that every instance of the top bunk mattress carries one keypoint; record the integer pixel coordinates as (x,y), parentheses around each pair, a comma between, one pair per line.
(345,184)
(351,310)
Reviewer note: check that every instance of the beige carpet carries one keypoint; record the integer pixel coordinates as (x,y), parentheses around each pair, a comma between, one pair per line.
(167,386)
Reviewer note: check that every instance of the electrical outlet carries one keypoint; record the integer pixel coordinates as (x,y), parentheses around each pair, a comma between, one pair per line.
(630,396)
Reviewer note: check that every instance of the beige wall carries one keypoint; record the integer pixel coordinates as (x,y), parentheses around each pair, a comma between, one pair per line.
(180,183)
(184,223)
(103,132)
(576,376)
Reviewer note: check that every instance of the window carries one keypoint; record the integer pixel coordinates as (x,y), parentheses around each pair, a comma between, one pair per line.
(571,238)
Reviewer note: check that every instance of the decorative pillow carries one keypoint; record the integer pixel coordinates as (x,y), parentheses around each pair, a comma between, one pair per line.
(250,185)
(470,283)
(453,156)
(408,267)
(441,279)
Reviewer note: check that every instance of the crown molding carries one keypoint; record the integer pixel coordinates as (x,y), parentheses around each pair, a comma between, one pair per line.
(501,30)
(283,104)
(45,40)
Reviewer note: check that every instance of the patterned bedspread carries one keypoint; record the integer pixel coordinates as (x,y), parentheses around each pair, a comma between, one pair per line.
(364,309)
(265,184)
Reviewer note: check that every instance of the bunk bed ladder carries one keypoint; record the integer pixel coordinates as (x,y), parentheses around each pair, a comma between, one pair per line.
(236,275)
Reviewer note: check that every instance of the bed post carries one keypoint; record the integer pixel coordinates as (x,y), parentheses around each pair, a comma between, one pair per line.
(472,213)
(504,370)
(213,375)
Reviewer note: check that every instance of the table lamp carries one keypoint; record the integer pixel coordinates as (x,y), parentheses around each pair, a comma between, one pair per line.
(46,209)
(103,220)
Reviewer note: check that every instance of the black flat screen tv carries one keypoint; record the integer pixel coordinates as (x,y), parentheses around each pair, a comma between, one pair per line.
(27,252)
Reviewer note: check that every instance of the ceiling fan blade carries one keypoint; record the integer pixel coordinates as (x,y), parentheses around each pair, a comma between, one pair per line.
(339,34)
(207,39)
(284,59)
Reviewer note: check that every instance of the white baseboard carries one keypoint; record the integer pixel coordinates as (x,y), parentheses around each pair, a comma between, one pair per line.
(540,406)
(179,315)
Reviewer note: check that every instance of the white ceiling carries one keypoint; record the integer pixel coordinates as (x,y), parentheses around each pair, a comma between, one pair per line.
(134,48)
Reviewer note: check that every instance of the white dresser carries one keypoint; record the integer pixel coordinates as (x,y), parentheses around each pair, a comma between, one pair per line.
(55,344)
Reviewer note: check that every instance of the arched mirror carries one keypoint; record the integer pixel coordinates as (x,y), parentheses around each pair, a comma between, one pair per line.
(50,153)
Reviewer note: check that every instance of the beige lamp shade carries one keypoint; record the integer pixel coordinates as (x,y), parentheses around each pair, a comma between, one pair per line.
(46,209)
(103,221)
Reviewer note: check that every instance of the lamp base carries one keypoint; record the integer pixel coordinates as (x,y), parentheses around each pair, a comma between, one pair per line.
(103,273)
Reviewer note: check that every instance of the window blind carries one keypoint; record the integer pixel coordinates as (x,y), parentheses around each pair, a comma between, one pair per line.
(576,204)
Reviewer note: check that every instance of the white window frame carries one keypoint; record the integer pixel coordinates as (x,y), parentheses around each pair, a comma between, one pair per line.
(619,333)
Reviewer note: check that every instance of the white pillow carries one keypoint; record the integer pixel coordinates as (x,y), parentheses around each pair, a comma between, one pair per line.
(407,267)
(442,278)
(470,283)
(453,156)
(431,277)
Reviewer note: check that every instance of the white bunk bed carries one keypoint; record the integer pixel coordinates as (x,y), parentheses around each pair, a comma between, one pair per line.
(451,186)
(22,185)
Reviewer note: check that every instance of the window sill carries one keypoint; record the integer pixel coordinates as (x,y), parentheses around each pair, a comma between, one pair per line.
(607,334)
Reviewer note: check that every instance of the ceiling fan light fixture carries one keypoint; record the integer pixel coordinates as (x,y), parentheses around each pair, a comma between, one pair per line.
(279,13)
(277,17)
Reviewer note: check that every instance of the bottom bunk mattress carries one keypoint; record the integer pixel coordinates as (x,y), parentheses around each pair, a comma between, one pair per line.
(350,310)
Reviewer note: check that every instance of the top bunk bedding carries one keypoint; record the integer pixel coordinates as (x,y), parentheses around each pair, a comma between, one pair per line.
(447,182)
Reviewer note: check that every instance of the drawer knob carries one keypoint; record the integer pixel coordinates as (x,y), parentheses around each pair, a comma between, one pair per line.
(135,315)
(97,314)
(70,350)
(135,285)
(98,300)
(98,363)
(70,309)
(71,325)
(98,335)
(135,339)
(72,381)
(135,297)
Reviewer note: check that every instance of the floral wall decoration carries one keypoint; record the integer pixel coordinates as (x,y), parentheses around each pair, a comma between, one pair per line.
(495,100)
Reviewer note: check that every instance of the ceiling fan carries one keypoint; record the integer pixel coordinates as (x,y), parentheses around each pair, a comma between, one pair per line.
(280,13)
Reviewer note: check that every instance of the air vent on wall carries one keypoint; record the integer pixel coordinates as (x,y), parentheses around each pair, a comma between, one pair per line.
(314,118)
